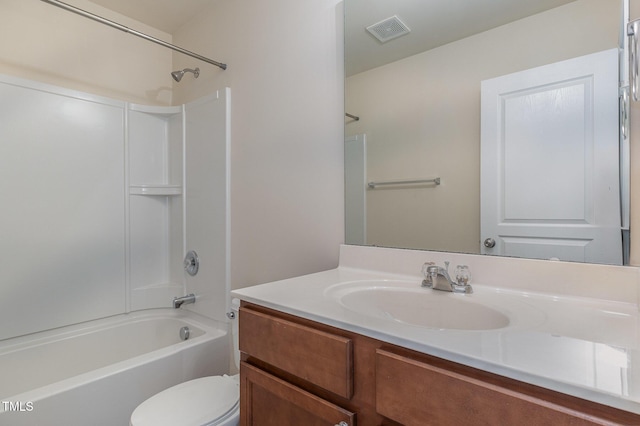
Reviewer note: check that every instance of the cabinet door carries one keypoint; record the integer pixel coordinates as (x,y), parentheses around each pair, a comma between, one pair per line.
(321,358)
(417,393)
(266,400)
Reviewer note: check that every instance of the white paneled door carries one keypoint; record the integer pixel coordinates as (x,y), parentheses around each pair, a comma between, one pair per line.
(550,162)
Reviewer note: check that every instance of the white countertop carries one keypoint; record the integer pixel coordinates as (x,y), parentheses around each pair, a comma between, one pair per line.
(582,346)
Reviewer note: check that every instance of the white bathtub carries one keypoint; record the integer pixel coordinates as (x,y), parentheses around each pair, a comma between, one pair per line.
(98,372)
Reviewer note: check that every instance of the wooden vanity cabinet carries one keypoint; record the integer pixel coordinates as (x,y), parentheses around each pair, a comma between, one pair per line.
(298,372)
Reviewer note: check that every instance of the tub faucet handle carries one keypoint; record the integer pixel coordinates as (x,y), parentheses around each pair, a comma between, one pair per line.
(191,263)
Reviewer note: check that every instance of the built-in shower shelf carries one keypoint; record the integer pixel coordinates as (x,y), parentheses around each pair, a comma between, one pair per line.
(155,190)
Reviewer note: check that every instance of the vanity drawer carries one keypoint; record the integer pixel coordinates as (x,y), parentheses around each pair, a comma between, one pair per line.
(268,400)
(321,358)
(414,392)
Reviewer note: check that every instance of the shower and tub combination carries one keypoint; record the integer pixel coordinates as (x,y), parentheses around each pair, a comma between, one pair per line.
(100,308)
(102,199)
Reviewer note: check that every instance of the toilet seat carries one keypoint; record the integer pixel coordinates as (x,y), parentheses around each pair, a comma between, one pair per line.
(199,402)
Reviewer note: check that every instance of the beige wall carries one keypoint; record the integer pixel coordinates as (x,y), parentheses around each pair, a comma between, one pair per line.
(44,43)
(286,77)
(422,119)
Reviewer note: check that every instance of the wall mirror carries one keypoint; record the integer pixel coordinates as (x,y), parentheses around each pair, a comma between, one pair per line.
(487,127)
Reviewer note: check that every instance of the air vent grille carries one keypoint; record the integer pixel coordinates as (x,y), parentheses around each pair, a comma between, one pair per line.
(388,29)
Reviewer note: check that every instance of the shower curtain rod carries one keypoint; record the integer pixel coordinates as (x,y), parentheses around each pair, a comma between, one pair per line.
(120,27)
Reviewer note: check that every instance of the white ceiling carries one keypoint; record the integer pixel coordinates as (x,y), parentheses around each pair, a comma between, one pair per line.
(432,22)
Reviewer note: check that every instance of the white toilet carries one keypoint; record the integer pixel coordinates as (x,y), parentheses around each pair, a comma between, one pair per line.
(206,401)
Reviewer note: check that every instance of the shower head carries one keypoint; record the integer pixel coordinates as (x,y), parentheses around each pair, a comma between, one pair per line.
(177,75)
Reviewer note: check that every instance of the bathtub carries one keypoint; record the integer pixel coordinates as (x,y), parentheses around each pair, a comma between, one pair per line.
(96,373)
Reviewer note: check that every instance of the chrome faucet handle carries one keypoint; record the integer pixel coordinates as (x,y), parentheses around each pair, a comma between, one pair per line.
(427,273)
(425,268)
(462,274)
(463,277)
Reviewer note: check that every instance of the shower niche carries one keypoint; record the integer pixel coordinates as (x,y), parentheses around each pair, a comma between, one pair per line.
(156,146)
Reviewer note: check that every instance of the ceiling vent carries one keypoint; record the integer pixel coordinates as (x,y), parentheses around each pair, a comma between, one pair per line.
(388,29)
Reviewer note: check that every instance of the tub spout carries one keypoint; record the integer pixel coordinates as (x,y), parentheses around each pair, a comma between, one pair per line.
(179,301)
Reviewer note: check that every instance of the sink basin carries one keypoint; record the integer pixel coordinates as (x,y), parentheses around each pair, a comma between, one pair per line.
(409,303)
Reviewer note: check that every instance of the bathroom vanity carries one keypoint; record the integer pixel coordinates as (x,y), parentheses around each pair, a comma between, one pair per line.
(313,352)
(296,368)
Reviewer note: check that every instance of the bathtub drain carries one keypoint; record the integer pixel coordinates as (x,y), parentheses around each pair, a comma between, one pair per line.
(184,333)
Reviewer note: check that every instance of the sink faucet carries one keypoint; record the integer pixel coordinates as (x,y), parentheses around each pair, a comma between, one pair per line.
(437,278)
(179,301)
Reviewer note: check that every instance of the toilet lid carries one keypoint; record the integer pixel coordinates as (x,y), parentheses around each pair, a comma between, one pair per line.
(193,403)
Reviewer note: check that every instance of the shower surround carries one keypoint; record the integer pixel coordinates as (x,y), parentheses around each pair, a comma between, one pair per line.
(101,201)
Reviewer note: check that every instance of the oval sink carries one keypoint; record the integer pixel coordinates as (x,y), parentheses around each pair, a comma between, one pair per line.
(409,303)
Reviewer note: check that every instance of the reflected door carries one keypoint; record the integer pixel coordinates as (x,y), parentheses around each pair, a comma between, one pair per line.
(550,162)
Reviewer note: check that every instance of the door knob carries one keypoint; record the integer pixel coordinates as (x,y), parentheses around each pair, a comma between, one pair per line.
(489,243)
